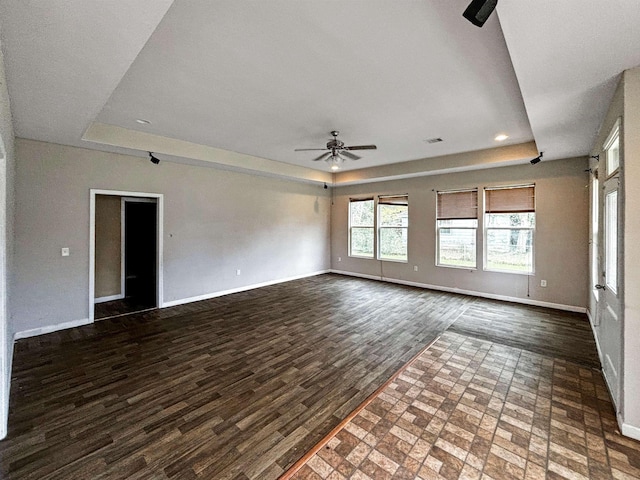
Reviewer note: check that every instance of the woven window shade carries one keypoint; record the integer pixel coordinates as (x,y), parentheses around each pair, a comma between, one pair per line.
(457,205)
(510,200)
(368,199)
(393,200)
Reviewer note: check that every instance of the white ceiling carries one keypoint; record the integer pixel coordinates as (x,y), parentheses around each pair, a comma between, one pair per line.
(568,56)
(263,78)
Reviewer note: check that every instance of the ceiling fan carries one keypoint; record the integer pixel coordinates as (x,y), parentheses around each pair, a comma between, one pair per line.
(337,151)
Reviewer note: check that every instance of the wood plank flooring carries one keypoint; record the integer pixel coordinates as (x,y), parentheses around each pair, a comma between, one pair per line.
(542,330)
(115,308)
(235,387)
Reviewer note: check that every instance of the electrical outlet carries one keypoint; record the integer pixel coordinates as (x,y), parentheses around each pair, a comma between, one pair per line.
(238,272)
(64,251)
(415,268)
(543,283)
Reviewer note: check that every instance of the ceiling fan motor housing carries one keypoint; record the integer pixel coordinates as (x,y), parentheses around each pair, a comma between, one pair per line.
(335,143)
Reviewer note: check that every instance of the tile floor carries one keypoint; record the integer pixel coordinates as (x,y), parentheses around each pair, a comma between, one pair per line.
(473,409)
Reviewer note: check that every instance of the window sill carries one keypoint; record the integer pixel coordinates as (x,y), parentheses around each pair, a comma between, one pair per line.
(514,272)
(457,267)
(358,256)
(392,260)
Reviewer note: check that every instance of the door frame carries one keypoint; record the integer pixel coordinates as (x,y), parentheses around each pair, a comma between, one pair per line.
(92,241)
(606,185)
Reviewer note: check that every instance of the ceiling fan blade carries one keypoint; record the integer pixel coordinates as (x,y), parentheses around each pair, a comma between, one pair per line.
(308,149)
(361,147)
(322,157)
(350,155)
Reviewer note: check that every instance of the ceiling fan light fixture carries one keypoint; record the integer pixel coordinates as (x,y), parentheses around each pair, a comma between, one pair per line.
(335,167)
(335,151)
(501,137)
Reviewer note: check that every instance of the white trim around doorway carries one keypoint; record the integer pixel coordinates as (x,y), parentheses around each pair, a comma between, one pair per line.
(92,241)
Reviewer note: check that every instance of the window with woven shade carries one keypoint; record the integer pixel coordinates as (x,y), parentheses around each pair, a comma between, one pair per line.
(456,228)
(509,227)
(393,227)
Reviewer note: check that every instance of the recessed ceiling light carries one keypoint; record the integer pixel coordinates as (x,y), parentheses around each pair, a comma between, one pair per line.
(434,140)
(142,121)
(335,167)
(501,138)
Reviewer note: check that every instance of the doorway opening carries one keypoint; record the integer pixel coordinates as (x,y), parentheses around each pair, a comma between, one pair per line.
(126,253)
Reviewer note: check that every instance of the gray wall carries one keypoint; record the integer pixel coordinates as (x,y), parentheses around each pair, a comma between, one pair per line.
(215,222)
(108,280)
(631,253)
(561,236)
(6,249)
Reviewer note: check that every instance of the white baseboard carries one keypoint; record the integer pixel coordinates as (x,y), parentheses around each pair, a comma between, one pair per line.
(33,332)
(526,301)
(108,299)
(628,430)
(221,293)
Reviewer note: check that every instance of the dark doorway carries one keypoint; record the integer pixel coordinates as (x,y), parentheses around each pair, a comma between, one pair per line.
(139,253)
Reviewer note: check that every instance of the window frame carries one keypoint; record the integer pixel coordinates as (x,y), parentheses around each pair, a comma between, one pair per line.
(487,229)
(439,227)
(613,136)
(381,227)
(372,227)
(611,241)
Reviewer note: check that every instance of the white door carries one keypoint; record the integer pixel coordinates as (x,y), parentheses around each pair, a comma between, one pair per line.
(609,286)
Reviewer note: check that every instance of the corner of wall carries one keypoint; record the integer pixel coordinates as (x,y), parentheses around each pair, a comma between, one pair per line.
(7,167)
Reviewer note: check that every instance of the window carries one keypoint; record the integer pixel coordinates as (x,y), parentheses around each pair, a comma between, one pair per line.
(456,228)
(393,218)
(595,220)
(612,149)
(509,223)
(361,227)
(611,240)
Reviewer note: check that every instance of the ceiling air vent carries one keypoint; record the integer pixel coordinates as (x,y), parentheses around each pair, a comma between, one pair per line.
(433,140)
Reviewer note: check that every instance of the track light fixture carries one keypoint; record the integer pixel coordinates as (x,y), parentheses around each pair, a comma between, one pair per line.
(479,11)
(538,159)
(155,160)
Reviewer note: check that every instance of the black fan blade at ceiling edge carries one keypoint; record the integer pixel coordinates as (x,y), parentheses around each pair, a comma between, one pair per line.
(350,155)
(321,157)
(308,149)
(361,147)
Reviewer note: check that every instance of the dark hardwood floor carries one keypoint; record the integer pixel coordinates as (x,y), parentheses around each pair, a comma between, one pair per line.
(115,308)
(235,387)
(541,330)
